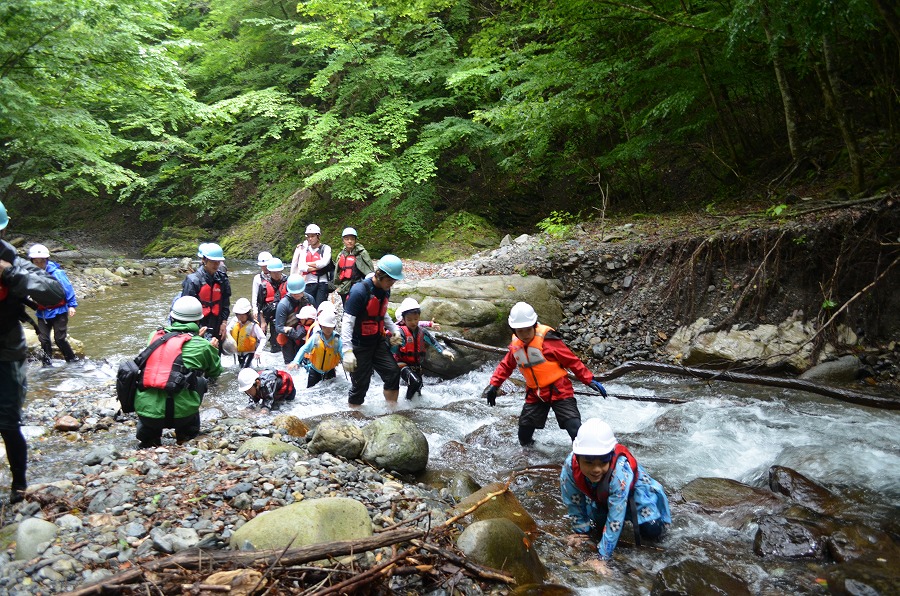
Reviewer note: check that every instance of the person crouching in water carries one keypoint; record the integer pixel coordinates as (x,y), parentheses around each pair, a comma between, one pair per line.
(602,484)
(246,333)
(322,351)
(175,376)
(410,354)
(268,389)
(542,357)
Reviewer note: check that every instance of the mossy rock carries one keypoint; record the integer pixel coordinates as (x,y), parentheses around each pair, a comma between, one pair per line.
(460,234)
(178,242)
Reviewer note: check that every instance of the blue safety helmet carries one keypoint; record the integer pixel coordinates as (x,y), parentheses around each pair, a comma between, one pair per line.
(275,264)
(212,251)
(392,265)
(296,284)
(4,218)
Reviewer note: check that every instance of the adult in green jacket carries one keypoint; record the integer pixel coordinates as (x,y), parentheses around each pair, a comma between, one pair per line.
(175,376)
(354,263)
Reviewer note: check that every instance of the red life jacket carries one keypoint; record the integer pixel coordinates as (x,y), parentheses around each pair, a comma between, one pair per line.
(601,493)
(372,319)
(412,352)
(210,297)
(346,266)
(163,361)
(274,289)
(313,255)
(286,387)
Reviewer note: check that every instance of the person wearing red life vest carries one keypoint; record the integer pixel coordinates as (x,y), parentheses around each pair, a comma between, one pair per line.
(175,376)
(353,264)
(410,354)
(603,486)
(210,285)
(20,281)
(290,332)
(262,261)
(267,389)
(364,325)
(270,292)
(56,317)
(542,357)
(312,259)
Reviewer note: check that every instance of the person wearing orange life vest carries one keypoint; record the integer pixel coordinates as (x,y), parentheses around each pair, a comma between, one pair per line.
(262,261)
(56,317)
(602,483)
(410,354)
(312,259)
(271,290)
(210,285)
(246,334)
(174,378)
(21,282)
(322,351)
(543,358)
(268,389)
(363,328)
(291,334)
(353,264)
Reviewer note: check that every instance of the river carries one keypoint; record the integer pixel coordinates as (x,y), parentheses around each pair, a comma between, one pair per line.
(725,430)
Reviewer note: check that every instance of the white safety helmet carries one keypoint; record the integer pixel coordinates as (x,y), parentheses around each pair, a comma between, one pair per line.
(246,378)
(307,312)
(263,259)
(38,251)
(313,229)
(595,437)
(522,315)
(242,306)
(187,308)
(407,305)
(325,305)
(327,318)
(349,232)
(229,346)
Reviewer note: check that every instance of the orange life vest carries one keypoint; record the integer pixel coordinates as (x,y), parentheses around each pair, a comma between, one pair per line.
(323,355)
(245,340)
(210,297)
(163,361)
(346,266)
(412,352)
(537,370)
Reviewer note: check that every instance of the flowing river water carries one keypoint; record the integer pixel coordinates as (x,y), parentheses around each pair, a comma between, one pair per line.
(725,430)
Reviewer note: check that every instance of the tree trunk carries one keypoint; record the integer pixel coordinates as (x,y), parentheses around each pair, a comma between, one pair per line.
(720,117)
(791,118)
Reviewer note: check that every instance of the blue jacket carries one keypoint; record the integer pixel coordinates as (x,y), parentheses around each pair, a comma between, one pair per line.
(649,497)
(71,302)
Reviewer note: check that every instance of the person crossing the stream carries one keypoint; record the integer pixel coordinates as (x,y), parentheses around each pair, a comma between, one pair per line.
(267,389)
(54,318)
(21,282)
(262,261)
(543,358)
(602,486)
(321,353)
(410,354)
(210,285)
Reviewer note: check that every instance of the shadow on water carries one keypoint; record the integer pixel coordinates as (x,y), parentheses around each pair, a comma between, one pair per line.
(726,430)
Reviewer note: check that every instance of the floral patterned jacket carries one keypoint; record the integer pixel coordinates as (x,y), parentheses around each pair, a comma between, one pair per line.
(649,497)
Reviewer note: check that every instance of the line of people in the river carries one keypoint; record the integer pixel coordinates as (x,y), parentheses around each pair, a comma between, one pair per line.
(602,484)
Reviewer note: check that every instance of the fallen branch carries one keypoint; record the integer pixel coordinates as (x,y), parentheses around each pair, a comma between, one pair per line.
(469,344)
(483,572)
(844,395)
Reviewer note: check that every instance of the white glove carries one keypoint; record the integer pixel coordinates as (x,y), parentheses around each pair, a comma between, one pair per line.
(396,338)
(349,361)
(450,354)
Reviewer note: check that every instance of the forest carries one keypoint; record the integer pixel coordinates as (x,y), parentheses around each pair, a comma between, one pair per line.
(517,111)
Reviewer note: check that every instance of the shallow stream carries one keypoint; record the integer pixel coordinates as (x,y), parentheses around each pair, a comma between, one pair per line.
(726,430)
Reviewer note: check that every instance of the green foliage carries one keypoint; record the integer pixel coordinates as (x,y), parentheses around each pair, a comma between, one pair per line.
(828,304)
(775,211)
(558,224)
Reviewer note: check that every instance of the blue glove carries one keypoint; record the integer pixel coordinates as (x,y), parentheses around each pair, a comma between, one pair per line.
(596,386)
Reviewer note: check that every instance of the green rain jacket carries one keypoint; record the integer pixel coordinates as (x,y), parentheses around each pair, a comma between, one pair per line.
(363,263)
(197,354)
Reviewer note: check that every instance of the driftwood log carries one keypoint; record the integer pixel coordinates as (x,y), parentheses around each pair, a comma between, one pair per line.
(845,395)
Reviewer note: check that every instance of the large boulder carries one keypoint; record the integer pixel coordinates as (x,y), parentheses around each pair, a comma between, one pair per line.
(395,443)
(691,577)
(300,524)
(843,370)
(267,447)
(729,502)
(777,536)
(501,544)
(504,505)
(804,491)
(476,308)
(338,437)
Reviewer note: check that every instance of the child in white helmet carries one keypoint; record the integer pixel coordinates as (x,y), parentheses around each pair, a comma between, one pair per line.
(410,353)
(603,485)
(267,389)
(248,337)
(322,351)
(54,318)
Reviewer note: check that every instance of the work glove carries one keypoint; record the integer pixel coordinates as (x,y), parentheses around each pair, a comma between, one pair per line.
(349,361)
(490,394)
(596,386)
(396,338)
(450,354)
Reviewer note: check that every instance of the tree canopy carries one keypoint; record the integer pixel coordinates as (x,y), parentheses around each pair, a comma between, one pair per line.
(411,108)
